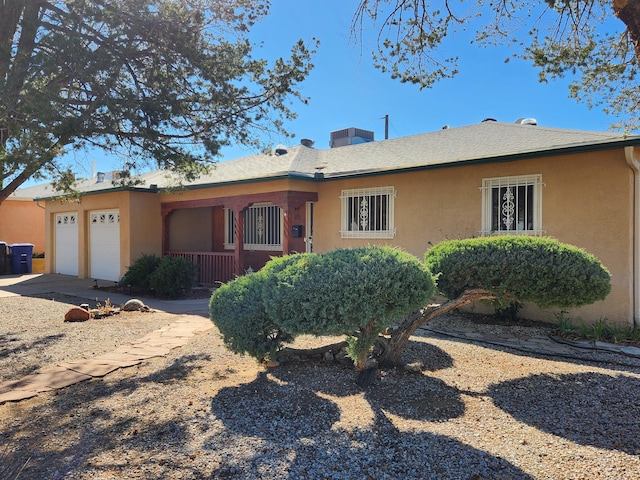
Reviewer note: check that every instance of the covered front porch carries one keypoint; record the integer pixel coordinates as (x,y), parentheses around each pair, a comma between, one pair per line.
(227,236)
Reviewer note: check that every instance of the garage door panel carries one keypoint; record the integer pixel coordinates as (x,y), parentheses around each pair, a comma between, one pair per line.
(104,237)
(66,243)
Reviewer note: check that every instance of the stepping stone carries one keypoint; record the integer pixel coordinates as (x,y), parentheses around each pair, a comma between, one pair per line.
(16,396)
(90,367)
(59,377)
(24,383)
(119,359)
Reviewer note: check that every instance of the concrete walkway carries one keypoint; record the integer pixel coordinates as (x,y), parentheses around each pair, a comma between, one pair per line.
(193,320)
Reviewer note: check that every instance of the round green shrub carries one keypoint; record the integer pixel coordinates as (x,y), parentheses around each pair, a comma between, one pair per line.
(173,277)
(521,268)
(238,311)
(344,290)
(138,274)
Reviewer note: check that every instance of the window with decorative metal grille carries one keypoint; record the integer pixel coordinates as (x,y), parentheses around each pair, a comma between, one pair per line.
(368,213)
(512,205)
(262,228)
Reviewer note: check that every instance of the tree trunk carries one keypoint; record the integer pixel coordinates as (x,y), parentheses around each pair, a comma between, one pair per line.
(391,349)
(628,11)
(310,353)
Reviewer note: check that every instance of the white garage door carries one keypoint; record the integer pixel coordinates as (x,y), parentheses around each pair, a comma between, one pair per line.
(66,256)
(104,245)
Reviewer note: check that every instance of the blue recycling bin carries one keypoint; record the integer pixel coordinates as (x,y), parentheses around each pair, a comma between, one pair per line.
(21,257)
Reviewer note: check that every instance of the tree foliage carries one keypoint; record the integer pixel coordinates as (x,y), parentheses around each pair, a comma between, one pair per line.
(237,309)
(150,80)
(362,291)
(520,268)
(504,269)
(596,41)
(358,292)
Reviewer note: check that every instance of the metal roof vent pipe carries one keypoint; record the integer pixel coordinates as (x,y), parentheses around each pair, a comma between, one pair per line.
(527,121)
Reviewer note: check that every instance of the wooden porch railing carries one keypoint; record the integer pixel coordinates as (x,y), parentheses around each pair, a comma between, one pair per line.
(213,267)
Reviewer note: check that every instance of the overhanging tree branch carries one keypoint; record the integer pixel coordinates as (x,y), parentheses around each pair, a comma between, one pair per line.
(162,80)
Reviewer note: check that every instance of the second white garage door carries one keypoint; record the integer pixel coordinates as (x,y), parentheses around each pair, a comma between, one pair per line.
(66,243)
(104,245)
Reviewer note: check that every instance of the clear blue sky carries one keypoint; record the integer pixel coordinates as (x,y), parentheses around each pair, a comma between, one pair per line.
(346,91)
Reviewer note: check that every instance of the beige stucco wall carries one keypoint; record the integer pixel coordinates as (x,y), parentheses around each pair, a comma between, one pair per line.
(140,226)
(145,227)
(192,230)
(586,201)
(22,221)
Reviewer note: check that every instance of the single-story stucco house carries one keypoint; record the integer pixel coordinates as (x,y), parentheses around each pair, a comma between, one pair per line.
(580,187)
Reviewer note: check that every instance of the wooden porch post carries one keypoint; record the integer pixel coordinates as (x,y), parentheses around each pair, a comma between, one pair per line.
(239,240)
(286,229)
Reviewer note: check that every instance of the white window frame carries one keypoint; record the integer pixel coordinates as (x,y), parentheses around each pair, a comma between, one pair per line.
(361,198)
(255,227)
(508,205)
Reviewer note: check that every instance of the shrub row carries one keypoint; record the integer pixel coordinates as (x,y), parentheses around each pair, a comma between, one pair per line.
(168,277)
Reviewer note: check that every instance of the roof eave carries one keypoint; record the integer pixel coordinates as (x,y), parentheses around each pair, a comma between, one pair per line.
(98,192)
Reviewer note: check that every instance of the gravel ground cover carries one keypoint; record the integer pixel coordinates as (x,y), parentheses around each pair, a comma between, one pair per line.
(475,412)
(33,333)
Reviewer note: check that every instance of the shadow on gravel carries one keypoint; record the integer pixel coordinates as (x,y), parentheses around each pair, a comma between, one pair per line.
(11,345)
(83,428)
(589,408)
(179,370)
(613,361)
(256,409)
(379,451)
(432,357)
(303,440)
(364,454)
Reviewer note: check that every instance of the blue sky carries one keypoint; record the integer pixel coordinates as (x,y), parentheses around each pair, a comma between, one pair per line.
(345,90)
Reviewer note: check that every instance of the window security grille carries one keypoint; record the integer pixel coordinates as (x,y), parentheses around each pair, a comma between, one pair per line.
(262,228)
(512,205)
(368,213)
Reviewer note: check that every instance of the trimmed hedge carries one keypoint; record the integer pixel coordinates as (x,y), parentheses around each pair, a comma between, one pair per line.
(527,269)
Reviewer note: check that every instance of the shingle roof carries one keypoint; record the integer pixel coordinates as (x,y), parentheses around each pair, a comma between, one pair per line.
(483,142)
(30,193)
(486,141)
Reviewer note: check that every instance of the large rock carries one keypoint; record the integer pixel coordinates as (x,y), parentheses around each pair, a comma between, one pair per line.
(135,305)
(77,314)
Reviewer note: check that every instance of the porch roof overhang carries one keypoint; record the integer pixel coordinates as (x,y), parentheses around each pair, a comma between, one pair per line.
(285,199)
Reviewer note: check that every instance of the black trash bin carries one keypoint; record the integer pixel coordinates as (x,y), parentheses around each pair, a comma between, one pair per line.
(21,257)
(4,258)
